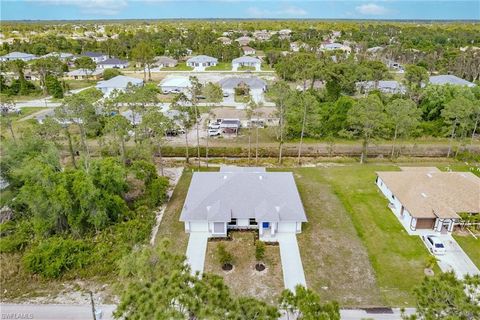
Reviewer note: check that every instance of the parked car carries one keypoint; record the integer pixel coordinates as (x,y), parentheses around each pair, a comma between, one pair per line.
(225,94)
(434,244)
(214,125)
(213,132)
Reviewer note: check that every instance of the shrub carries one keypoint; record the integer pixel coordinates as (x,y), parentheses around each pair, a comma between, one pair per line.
(224,257)
(54,256)
(14,237)
(111,73)
(259,250)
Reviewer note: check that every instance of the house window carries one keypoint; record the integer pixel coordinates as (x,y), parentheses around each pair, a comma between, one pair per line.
(252,222)
(219,227)
(265,225)
(393,197)
(233,222)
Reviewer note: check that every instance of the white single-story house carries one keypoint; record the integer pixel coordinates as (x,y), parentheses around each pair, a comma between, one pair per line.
(335,46)
(165,62)
(135,118)
(246,61)
(450,79)
(112,63)
(385,86)
(119,83)
(95,56)
(60,55)
(18,56)
(82,74)
(175,85)
(284,33)
(243,198)
(248,50)
(427,198)
(257,87)
(199,63)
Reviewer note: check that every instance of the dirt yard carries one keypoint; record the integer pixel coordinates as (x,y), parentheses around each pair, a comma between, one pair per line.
(244,280)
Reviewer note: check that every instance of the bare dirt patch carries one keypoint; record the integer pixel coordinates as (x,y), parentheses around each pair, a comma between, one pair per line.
(244,280)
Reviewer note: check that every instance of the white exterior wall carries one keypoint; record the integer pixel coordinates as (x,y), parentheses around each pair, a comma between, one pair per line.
(111,66)
(210,230)
(243,223)
(196,226)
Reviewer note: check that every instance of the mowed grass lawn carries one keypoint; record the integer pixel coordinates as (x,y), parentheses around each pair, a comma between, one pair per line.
(397,258)
(471,246)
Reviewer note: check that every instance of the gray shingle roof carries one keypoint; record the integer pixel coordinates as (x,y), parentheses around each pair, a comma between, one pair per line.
(18,55)
(119,82)
(243,194)
(450,79)
(202,59)
(114,61)
(233,82)
(93,54)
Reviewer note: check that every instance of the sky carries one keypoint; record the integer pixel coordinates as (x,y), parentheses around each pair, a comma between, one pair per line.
(246,9)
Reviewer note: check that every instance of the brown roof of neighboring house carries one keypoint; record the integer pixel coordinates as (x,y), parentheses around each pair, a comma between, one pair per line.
(430,193)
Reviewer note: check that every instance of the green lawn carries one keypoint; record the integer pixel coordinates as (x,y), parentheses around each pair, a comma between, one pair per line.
(78,84)
(246,68)
(221,66)
(182,66)
(397,258)
(471,246)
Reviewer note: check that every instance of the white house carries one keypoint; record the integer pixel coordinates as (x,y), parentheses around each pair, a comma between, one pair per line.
(165,62)
(81,74)
(119,83)
(175,85)
(335,46)
(248,50)
(199,63)
(385,86)
(429,199)
(112,63)
(243,198)
(451,80)
(95,56)
(60,55)
(18,56)
(256,85)
(246,61)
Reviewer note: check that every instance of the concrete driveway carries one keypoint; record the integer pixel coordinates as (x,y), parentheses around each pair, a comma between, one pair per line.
(196,249)
(292,267)
(455,259)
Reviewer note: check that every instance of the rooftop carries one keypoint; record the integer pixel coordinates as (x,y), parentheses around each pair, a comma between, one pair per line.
(430,193)
(202,58)
(93,54)
(450,79)
(17,54)
(246,59)
(182,82)
(243,194)
(113,61)
(84,72)
(233,82)
(119,82)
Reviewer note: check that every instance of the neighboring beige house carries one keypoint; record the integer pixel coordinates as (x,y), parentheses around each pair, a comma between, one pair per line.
(243,41)
(83,74)
(427,198)
(224,40)
(165,62)
(248,50)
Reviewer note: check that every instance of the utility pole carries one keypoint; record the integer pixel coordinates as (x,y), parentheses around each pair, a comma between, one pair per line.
(93,306)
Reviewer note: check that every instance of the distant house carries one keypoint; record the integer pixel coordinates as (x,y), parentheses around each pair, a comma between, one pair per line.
(95,56)
(18,56)
(284,33)
(243,41)
(243,198)
(60,55)
(334,47)
(374,50)
(262,35)
(246,61)
(451,80)
(83,74)
(263,116)
(165,62)
(112,63)
(119,83)
(248,50)
(426,198)
(297,45)
(230,125)
(199,63)
(385,86)
(175,85)
(395,66)
(224,40)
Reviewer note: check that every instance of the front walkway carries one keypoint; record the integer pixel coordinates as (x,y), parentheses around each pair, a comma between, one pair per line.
(196,249)
(292,267)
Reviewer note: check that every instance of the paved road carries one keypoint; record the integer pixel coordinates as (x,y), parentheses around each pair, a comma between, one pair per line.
(292,267)
(196,249)
(53,311)
(45,102)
